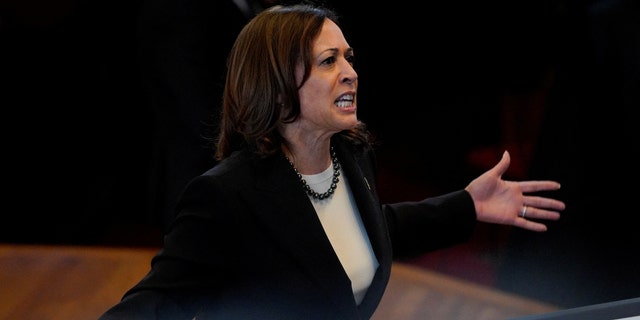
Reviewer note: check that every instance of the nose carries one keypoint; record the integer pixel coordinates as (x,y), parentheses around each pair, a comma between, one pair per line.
(349,75)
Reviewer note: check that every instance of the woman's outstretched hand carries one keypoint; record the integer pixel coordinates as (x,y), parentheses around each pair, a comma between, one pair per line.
(509,202)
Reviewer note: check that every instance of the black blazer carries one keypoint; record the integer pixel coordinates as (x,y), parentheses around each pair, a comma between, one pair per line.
(247,244)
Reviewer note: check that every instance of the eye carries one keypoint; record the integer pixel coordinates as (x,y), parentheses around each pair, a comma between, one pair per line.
(329,60)
(351,59)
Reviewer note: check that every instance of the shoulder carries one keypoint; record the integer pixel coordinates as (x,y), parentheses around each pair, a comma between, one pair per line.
(232,182)
(237,162)
(236,171)
(243,170)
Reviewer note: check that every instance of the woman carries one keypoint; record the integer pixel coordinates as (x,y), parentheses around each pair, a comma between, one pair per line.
(288,224)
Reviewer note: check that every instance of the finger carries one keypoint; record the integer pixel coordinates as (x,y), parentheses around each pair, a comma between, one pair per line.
(530,225)
(501,167)
(543,203)
(538,185)
(541,214)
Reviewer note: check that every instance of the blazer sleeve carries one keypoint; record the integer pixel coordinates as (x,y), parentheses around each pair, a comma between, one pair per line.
(146,305)
(418,227)
(191,258)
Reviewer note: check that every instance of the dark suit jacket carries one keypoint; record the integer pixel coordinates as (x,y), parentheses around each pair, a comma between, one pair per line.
(247,244)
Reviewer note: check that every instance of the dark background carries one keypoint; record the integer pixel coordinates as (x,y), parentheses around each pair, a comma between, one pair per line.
(445,86)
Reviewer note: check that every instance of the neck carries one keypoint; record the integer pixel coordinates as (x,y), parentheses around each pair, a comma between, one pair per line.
(321,195)
(308,159)
(306,147)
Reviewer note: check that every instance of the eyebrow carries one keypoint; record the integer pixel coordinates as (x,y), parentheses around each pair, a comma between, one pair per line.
(335,50)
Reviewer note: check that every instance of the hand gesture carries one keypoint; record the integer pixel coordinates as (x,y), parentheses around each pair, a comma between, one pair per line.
(509,202)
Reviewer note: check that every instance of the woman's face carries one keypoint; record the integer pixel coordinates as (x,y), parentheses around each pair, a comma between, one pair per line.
(328,97)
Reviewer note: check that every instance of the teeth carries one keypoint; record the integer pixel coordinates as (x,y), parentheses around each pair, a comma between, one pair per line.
(343,104)
(345,101)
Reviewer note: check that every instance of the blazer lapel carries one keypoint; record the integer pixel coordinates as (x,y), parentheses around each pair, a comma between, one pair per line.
(361,176)
(286,211)
(361,180)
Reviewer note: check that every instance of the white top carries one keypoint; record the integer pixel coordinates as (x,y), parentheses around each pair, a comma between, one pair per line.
(342,223)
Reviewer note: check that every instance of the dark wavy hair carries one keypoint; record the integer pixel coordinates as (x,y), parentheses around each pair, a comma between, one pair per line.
(260,92)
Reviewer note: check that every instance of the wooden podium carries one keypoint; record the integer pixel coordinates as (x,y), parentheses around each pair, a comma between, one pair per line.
(81,282)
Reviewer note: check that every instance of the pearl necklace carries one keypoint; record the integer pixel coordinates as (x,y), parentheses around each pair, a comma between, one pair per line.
(334,183)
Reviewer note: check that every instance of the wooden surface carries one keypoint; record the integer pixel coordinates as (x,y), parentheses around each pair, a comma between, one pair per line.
(80,283)
(71,283)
